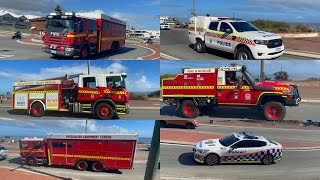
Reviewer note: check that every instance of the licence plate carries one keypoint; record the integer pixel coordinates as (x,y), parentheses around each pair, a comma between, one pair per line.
(53,51)
(278,49)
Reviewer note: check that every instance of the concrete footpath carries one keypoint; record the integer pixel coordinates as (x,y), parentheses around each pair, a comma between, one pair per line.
(15,174)
(190,138)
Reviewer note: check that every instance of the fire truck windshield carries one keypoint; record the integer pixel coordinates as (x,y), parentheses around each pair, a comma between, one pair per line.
(59,27)
(115,82)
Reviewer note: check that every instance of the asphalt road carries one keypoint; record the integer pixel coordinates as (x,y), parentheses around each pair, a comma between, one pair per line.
(12,50)
(177,162)
(304,111)
(135,114)
(176,43)
(276,134)
(13,161)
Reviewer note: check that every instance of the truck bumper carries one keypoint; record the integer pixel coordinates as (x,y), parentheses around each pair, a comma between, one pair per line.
(263,52)
(296,98)
(71,52)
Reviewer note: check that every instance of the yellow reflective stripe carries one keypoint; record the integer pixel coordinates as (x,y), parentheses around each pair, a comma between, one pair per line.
(88,92)
(188,87)
(35,92)
(49,157)
(31,151)
(182,95)
(93,157)
(281,88)
(112,38)
(76,35)
(114,92)
(218,32)
(234,87)
(92,35)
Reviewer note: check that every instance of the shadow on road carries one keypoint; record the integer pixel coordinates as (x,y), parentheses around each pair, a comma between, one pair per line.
(221,112)
(102,55)
(216,53)
(55,114)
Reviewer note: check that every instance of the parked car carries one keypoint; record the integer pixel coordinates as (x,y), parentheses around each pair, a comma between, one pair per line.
(3,153)
(147,41)
(188,124)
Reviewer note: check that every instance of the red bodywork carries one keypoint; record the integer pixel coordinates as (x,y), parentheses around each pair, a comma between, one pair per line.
(69,149)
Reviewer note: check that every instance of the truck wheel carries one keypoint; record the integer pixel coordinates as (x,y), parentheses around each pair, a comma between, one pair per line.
(84,52)
(212,159)
(97,166)
(113,47)
(274,111)
(82,165)
(189,110)
(163,124)
(37,109)
(31,161)
(200,46)
(104,111)
(244,54)
(189,125)
(267,159)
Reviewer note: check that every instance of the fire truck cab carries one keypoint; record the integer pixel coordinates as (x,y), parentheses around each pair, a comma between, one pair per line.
(103,95)
(80,35)
(97,151)
(198,89)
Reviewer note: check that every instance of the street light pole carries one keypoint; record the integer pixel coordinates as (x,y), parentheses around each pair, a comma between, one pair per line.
(193,8)
(262,74)
(88,74)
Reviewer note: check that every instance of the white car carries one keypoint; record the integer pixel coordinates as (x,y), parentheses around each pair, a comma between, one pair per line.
(164,26)
(241,38)
(3,153)
(244,147)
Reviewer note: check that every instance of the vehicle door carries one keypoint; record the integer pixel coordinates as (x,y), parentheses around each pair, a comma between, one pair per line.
(242,151)
(89,91)
(212,36)
(69,153)
(225,40)
(38,148)
(58,152)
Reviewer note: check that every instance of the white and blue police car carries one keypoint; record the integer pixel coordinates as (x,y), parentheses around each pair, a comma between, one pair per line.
(238,147)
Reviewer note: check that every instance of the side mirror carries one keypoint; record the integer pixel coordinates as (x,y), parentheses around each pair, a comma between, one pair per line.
(229,31)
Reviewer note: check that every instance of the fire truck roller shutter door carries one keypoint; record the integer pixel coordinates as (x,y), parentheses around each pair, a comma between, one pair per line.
(104,109)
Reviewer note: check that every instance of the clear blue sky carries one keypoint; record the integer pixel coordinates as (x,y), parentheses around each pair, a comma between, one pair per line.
(143,14)
(297,69)
(143,76)
(41,128)
(300,11)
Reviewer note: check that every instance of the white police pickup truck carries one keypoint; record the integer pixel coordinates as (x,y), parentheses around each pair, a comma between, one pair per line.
(241,38)
(242,147)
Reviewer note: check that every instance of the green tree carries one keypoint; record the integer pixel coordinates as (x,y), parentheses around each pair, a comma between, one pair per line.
(58,9)
(281,76)
(166,76)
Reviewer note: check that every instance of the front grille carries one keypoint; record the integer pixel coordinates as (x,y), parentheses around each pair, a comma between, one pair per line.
(274,43)
(54,40)
(275,53)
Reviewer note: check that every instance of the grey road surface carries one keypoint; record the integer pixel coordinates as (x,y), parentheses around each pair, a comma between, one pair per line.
(176,43)
(14,163)
(177,162)
(12,50)
(304,111)
(135,114)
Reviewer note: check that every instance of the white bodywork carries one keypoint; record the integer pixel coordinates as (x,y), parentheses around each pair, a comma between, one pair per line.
(235,154)
(199,28)
(164,26)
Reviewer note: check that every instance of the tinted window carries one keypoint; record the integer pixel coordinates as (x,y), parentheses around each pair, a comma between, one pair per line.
(213,26)
(258,144)
(92,26)
(80,26)
(113,81)
(227,141)
(36,145)
(2,148)
(23,144)
(243,144)
(58,145)
(224,26)
(89,82)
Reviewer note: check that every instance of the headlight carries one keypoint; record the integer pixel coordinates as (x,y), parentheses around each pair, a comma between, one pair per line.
(262,42)
(202,151)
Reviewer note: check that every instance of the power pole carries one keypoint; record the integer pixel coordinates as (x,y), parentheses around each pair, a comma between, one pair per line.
(153,158)
(86,127)
(193,8)
(262,74)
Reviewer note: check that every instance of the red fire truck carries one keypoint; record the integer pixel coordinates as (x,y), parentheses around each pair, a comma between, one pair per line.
(82,34)
(99,151)
(103,95)
(198,89)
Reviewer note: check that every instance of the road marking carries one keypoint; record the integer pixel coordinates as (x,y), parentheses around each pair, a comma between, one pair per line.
(153,51)
(171,144)
(4,118)
(2,56)
(166,56)
(173,178)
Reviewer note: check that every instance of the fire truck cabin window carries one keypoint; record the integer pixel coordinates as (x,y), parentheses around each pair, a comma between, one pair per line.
(92,26)
(23,144)
(114,81)
(80,26)
(58,145)
(89,82)
(36,145)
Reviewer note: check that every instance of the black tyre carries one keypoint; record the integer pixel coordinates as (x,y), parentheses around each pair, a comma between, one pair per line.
(13,37)
(163,124)
(189,125)
(200,46)
(82,165)
(97,166)
(274,111)
(244,54)
(37,109)
(267,159)
(31,161)
(84,52)
(212,159)
(189,110)
(104,111)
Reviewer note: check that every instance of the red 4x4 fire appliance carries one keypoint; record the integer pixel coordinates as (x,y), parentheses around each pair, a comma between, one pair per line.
(99,151)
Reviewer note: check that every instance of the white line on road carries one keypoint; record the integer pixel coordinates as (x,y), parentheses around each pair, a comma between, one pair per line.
(2,56)
(168,56)
(4,118)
